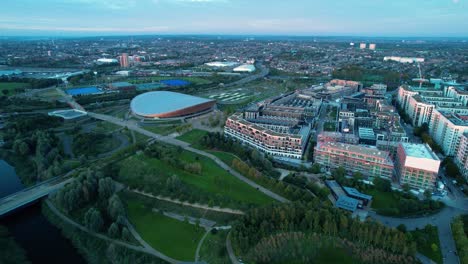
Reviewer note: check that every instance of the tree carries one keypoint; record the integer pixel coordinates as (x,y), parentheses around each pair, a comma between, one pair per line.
(115,207)
(113,231)
(402,228)
(93,219)
(382,184)
(106,188)
(434,247)
(406,187)
(126,235)
(427,194)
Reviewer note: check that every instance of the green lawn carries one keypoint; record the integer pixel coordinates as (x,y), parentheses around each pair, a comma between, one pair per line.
(174,238)
(381,200)
(193,136)
(424,239)
(226,157)
(161,129)
(11,86)
(335,255)
(213,181)
(214,250)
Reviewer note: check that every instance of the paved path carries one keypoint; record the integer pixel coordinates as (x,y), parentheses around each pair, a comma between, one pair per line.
(117,242)
(230,251)
(169,140)
(197,253)
(195,205)
(205,223)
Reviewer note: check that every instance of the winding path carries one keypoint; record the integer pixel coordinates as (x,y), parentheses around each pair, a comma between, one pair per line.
(144,249)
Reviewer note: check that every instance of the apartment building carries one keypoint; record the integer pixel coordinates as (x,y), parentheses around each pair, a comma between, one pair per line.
(416,165)
(267,140)
(461,158)
(369,161)
(447,128)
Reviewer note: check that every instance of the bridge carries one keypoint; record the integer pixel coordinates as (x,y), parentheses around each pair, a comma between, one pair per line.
(31,194)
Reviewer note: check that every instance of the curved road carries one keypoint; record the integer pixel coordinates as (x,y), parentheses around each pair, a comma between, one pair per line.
(134,126)
(442,220)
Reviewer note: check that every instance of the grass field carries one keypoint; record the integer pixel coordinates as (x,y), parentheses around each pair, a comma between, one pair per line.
(329,126)
(424,239)
(226,157)
(382,200)
(193,137)
(174,238)
(11,86)
(214,250)
(213,181)
(193,80)
(161,129)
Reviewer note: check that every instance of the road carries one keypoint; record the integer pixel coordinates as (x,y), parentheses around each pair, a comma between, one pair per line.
(132,125)
(442,220)
(26,196)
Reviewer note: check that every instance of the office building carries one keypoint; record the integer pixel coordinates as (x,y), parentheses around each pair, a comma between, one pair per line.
(362,45)
(369,161)
(416,165)
(372,46)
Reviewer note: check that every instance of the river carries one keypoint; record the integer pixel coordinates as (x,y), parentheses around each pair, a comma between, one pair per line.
(42,241)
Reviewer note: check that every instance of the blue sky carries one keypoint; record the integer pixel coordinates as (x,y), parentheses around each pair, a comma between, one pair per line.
(432,18)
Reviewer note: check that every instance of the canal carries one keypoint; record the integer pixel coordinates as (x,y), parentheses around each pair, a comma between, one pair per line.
(42,241)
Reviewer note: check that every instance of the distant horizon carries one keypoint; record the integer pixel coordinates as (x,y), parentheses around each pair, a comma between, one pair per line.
(378,18)
(232,35)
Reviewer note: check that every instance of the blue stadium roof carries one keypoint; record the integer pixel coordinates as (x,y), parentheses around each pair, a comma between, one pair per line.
(159,102)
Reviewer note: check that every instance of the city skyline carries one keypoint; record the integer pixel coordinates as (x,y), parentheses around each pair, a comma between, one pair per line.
(235,17)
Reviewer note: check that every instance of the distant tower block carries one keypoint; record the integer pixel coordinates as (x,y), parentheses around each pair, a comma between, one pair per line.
(124,60)
(372,46)
(362,46)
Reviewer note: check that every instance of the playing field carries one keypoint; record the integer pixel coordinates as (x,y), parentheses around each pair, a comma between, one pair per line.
(11,87)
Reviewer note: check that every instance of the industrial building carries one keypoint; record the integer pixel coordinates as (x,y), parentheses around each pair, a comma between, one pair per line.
(416,165)
(164,104)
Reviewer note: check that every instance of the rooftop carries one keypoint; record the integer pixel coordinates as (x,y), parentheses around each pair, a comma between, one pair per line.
(365,150)
(159,102)
(347,203)
(356,193)
(419,151)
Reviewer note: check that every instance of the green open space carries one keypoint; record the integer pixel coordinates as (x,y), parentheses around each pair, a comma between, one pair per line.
(329,126)
(93,144)
(427,242)
(381,200)
(193,137)
(174,238)
(213,183)
(11,87)
(161,129)
(214,250)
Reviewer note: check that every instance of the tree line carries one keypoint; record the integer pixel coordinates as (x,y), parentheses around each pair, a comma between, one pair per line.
(311,218)
(460,235)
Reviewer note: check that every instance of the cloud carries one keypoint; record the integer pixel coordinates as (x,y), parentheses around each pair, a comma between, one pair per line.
(108,4)
(456,1)
(85,29)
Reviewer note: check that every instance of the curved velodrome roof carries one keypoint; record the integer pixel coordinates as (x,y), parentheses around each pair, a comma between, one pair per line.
(162,103)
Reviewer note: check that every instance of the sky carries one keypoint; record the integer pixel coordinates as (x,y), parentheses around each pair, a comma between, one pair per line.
(379,18)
